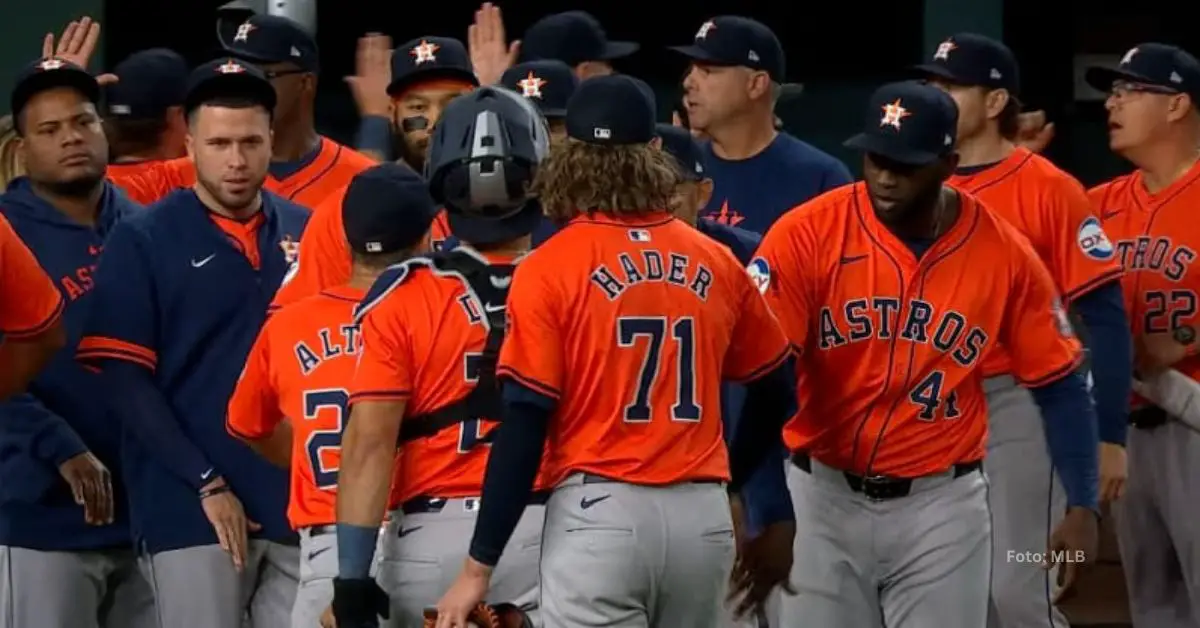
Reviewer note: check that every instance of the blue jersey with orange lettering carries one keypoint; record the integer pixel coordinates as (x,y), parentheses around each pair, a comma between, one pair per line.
(183,292)
(59,417)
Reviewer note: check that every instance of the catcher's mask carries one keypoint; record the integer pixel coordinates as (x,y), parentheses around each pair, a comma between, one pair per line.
(482,156)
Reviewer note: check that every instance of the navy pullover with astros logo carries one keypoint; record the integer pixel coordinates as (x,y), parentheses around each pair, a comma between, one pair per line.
(180,296)
(62,414)
(753,193)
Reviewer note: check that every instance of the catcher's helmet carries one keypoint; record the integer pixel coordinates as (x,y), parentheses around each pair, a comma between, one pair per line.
(484,152)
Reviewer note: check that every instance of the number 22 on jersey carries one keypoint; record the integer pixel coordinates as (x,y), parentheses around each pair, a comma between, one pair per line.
(328,406)
(652,333)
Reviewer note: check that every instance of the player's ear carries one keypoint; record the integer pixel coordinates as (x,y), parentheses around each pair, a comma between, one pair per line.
(995,101)
(704,191)
(1180,106)
(656,142)
(759,85)
(189,142)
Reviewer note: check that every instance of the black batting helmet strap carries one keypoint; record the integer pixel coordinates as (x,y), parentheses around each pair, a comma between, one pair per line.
(487,292)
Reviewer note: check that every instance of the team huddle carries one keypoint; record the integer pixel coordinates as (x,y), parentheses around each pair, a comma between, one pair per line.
(527,357)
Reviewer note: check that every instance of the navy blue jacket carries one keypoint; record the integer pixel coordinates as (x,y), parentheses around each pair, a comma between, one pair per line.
(177,298)
(753,193)
(62,415)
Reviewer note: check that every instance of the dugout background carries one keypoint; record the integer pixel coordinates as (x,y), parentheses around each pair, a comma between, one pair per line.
(839,49)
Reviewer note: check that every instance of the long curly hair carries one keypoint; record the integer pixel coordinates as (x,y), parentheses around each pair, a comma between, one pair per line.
(581,178)
(11,164)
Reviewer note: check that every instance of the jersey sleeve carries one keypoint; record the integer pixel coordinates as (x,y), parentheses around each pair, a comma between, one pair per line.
(780,271)
(1035,328)
(532,355)
(30,304)
(1081,255)
(324,256)
(758,344)
(122,316)
(385,361)
(254,411)
(150,184)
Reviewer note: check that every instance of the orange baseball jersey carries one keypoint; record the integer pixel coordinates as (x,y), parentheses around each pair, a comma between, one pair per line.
(325,255)
(300,370)
(891,345)
(631,324)
(30,303)
(1157,239)
(423,337)
(1052,210)
(324,176)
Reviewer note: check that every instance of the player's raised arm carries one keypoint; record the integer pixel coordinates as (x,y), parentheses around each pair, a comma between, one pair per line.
(254,416)
(119,339)
(29,315)
(1046,358)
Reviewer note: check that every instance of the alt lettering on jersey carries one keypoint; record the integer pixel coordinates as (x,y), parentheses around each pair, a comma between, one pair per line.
(882,317)
(652,265)
(344,341)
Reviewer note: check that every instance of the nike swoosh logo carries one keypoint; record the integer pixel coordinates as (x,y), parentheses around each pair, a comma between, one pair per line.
(206,474)
(198,264)
(407,531)
(586,503)
(852,258)
(493,308)
(317,552)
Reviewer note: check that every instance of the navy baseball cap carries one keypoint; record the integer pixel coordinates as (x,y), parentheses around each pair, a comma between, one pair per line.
(909,122)
(737,41)
(274,39)
(149,82)
(45,74)
(427,58)
(683,147)
(572,37)
(228,78)
(387,208)
(1159,65)
(614,110)
(547,83)
(974,60)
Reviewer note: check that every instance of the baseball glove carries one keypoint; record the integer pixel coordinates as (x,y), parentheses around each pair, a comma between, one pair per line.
(483,616)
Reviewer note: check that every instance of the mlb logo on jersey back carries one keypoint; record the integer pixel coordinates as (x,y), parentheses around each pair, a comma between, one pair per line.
(1093,241)
(760,274)
(639,235)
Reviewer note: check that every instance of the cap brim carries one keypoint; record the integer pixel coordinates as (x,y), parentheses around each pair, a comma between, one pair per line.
(399,85)
(875,145)
(618,49)
(484,230)
(74,78)
(1102,78)
(696,53)
(933,70)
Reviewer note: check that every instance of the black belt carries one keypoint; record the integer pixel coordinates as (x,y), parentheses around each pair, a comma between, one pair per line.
(591,478)
(424,505)
(328,528)
(880,487)
(1148,417)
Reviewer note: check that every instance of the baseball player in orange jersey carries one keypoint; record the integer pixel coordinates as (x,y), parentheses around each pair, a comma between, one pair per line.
(1053,211)
(306,168)
(1154,122)
(31,310)
(291,402)
(432,329)
(894,290)
(426,74)
(622,327)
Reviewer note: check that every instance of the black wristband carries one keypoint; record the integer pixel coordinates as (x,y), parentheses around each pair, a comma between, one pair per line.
(216,490)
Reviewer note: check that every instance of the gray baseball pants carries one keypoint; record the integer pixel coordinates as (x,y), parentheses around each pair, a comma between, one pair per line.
(421,554)
(1027,503)
(918,561)
(91,589)
(1157,527)
(624,556)
(198,587)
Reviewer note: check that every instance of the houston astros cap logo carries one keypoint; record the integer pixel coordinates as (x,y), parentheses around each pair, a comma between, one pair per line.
(531,86)
(704,29)
(423,52)
(51,64)
(944,49)
(893,113)
(1129,56)
(231,67)
(243,31)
